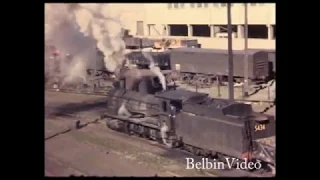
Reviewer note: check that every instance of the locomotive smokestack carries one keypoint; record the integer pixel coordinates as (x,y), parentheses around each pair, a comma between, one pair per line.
(156,70)
(230,53)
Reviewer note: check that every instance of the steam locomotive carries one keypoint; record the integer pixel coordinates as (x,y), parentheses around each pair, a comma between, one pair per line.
(192,121)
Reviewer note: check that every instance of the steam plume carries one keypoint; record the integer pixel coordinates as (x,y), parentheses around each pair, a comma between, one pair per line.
(77,29)
(123,110)
(155,69)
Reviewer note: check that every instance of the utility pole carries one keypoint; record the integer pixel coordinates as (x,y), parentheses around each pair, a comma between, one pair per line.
(246,64)
(230,54)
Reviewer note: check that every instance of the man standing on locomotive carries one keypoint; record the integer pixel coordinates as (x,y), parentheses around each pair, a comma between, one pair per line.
(172,111)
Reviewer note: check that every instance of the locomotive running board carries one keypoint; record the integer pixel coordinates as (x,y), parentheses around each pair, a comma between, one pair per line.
(139,121)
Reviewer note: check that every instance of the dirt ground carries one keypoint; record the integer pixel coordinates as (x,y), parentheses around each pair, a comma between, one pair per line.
(66,155)
(97,151)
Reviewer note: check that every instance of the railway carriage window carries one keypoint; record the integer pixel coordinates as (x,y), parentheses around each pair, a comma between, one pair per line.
(199,5)
(164,106)
(176,5)
(192,5)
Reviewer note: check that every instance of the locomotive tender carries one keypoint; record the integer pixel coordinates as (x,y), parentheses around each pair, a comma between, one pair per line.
(193,121)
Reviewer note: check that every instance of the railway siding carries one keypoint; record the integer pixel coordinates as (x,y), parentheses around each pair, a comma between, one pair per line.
(97,136)
(101,138)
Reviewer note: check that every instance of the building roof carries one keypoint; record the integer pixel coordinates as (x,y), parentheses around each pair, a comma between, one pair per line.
(218,51)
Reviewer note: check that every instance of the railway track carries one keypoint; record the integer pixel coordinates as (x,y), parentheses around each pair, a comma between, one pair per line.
(81,122)
(268,104)
(98,137)
(89,153)
(56,167)
(85,92)
(106,90)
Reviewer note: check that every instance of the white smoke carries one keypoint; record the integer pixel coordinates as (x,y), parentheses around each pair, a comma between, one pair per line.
(123,110)
(163,132)
(155,69)
(75,71)
(77,29)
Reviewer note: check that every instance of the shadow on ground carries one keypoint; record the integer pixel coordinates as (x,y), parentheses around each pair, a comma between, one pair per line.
(97,106)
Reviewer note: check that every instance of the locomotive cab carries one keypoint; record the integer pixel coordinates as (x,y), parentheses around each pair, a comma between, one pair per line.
(168,112)
(171,103)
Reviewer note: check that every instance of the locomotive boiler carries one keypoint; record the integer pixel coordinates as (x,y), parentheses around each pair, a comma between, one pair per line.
(194,122)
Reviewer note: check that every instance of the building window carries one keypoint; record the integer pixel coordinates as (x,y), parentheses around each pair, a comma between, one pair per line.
(216,4)
(199,5)
(205,5)
(176,5)
(182,5)
(169,5)
(192,5)
(223,4)
(253,4)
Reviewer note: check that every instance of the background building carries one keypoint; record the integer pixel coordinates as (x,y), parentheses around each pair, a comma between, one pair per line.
(206,22)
